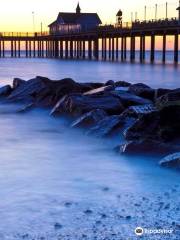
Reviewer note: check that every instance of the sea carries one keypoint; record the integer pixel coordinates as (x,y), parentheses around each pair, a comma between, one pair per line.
(58,183)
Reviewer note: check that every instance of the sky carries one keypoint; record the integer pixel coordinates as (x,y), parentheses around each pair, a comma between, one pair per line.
(16,15)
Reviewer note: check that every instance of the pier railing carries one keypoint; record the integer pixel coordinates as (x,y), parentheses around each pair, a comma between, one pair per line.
(23,34)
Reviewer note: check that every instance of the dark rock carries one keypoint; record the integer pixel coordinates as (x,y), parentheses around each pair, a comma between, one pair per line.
(146,147)
(5,90)
(145,126)
(99,91)
(170,123)
(122,84)
(107,126)
(57,226)
(88,211)
(170,99)
(139,110)
(90,118)
(76,105)
(129,99)
(17,82)
(142,90)
(45,92)
(110,83)
(26,108)
(160,92)
(171,161)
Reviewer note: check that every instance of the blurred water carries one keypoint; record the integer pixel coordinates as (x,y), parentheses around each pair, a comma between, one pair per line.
(45,164)
(155,75)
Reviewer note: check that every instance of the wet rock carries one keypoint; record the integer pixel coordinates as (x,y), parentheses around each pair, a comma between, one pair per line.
(17,82)
(170,122)
(122,84)
(110,83)
(139,110)
(45,92)
(99,91)
(57,226)
(172,98)
(129,99)
(88,211)
(145,126)
(76,105)
(146,147)
(68,204)
(5,90)
(107,126)
(171,161)
(142,90)
(26,108)
(90,118)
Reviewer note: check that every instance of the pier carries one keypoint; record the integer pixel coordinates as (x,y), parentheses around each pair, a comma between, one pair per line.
(107,42)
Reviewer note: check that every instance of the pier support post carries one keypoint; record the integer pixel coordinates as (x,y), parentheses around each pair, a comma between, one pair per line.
(113,48)
(90,49)
(117,48)
(122,49)
(152,48)
(56,49)
(144,48)
(19,49)
(141,49)
(105,48)
(84,49)
(71,48)
(164,49)
(96,48)
(66,48)
(109,48)
(132,55)
(61,49)
(176,47)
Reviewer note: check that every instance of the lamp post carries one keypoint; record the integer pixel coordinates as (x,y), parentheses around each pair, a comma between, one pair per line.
(33,17)
(156,11)
(145,11)
(166,10)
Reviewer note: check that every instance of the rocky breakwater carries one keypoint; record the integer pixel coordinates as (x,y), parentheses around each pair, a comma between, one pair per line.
(147,119)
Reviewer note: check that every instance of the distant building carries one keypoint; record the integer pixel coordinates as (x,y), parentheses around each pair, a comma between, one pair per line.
(74,22)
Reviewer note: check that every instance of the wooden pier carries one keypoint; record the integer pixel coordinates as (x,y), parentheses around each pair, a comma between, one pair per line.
(104,42)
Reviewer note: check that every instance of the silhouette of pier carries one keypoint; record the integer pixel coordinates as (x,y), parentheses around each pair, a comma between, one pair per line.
(107,42)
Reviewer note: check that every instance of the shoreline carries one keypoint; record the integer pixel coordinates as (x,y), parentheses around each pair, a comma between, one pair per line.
(144,117)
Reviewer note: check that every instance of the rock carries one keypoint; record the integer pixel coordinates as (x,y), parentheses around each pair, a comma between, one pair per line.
(100,90)
(107,126)
(57,226)
(147,147)
(45,92)
(170,99)
(160,92)
(129,99)
(75,105)
(90,118)
(26,108)
(5,90)
(145,126)
(122,84)
(110,83)
(139,110)
(88,211)
(17,82)
(170,123)
(142,90)
(171,161)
